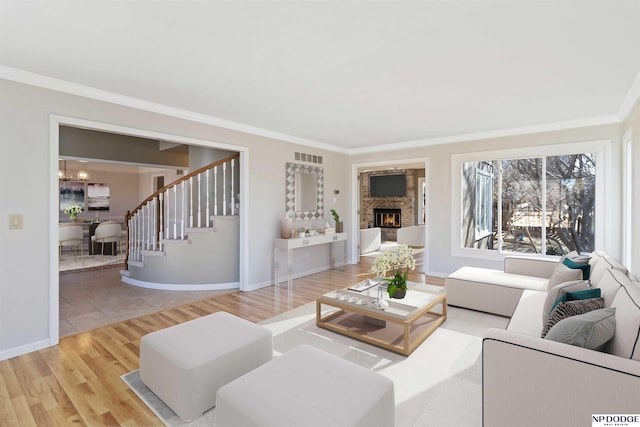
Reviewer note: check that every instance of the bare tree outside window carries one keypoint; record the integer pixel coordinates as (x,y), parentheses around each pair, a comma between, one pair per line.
(571,199)
(521,203)
(547,204)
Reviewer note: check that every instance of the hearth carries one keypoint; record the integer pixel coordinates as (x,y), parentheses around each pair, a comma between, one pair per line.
(387,218)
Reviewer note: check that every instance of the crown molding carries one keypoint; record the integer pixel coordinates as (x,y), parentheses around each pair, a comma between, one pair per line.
(46,82)
(39,80)
(633,95)
(501,133)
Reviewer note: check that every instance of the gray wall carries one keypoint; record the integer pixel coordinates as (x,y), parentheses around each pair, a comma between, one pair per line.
(91,144)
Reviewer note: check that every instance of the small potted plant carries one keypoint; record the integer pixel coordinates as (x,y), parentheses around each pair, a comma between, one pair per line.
(73,212)
(398,261)
(336,218)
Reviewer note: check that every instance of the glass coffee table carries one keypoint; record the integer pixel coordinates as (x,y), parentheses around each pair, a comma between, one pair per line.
(401,327)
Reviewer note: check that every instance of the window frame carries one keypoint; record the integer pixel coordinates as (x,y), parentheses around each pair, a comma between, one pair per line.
(484,202)
(604,196)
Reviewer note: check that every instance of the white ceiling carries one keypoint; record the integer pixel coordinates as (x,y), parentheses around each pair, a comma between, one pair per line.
(349,75)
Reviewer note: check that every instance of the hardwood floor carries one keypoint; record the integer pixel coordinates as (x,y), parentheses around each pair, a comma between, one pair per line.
(78,381)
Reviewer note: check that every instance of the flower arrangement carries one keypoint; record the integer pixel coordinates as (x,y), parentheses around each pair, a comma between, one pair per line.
(395,260)
(73,211)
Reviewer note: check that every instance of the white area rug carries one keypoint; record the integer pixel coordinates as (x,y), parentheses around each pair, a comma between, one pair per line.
(438,385)
(70,261)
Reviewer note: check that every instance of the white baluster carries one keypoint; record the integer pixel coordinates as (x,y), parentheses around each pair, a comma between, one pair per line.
(141,229)
(175,213)
(154,222)
(191,202)
(233,200)
(167,216)
(199,202)
(161,222)
(139,222)
(135,236)
(215,191)
(148,217)
(183,215)
(132,237)
(206,215)
(145,225)
(224,189)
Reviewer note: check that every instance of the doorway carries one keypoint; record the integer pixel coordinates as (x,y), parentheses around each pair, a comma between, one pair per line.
(55,123)
(417,187)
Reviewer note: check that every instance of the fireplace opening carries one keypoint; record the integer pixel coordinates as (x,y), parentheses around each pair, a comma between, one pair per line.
(386,218)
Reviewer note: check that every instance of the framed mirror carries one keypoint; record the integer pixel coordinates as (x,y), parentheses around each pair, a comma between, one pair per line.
(305,191)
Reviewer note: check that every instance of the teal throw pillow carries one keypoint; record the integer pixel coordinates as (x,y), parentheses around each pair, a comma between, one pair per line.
(586,268)
(577,295)
(591,330)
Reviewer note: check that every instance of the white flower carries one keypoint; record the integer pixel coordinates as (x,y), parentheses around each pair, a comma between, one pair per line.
(393,260)
(73,210)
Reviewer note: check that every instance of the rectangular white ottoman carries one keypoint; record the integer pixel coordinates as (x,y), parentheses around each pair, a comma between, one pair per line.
(186,364)
(307,387)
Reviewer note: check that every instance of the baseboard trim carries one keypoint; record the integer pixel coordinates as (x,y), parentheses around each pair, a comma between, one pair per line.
(179,286)
(24,349)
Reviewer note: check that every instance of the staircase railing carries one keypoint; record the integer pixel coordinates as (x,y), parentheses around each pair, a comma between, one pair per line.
(188,202)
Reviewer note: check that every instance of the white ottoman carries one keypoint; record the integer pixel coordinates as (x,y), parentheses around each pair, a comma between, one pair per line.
(186,364)
(307,387)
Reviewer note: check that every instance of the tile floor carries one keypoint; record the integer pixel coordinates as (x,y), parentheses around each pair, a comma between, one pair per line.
(95,297)
(74,261)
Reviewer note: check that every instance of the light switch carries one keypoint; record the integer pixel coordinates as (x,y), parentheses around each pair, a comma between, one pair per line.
(15,221)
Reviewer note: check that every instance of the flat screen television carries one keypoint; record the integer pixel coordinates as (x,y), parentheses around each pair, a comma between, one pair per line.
(387,185)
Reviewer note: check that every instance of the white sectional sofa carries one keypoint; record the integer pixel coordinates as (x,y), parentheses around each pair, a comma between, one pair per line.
(370,239)
(411,236)
(533,381)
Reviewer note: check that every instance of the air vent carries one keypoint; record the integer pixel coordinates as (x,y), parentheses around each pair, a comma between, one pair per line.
(309,158)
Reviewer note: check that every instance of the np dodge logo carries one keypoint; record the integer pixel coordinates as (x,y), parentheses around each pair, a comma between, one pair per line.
(615,420)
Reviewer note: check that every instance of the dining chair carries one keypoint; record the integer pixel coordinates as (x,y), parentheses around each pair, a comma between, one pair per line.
(70,235)
(108,232)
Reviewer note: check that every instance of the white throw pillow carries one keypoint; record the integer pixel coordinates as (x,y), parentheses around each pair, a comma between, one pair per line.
(562,274)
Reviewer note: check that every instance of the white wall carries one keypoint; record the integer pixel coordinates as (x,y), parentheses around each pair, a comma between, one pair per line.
(439,220)
(25,181)
(146,184)
(632,122)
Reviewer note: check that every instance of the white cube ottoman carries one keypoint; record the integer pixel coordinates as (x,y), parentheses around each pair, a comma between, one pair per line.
(307,387)
(186,364)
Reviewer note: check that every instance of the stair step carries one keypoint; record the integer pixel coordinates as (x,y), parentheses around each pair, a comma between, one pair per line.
(176,241)
(152,253)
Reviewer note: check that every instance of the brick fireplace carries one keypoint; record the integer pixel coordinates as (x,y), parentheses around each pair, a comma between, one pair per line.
(405,206)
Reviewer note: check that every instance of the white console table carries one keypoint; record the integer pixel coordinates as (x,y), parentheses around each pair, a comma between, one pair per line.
(290,244)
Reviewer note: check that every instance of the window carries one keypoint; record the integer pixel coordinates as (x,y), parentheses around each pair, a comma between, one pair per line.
(484,204)
(538,204)
(570,200)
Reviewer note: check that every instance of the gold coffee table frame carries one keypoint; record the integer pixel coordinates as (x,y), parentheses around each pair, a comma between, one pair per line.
(400,328)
